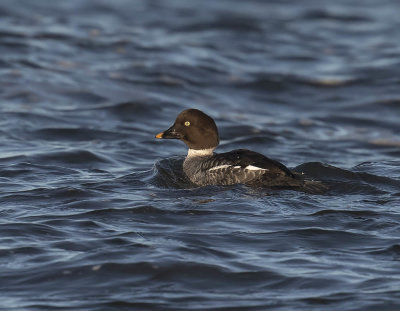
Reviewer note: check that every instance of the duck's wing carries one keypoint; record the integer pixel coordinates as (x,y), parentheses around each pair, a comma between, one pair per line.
(251,160)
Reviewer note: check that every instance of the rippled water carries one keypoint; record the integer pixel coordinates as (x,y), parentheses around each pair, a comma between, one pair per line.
(97,215)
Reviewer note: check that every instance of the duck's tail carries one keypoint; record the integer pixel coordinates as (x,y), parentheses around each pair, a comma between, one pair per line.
(298,183)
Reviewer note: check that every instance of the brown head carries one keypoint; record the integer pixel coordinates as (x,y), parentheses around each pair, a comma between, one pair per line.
(196,129)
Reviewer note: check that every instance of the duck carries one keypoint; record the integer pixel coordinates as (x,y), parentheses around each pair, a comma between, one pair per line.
(204,167)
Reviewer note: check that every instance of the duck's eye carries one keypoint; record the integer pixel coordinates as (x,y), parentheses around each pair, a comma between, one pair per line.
(187,123)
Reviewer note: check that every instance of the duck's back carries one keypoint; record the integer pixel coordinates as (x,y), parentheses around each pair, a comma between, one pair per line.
(237,166)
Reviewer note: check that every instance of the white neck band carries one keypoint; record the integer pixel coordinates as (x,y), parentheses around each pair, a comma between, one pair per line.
(200,152)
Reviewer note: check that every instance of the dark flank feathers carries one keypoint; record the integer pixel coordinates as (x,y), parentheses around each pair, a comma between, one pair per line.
(244,158)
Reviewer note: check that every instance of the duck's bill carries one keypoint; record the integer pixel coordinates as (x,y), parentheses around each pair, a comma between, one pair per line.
(169,134)
(160,135)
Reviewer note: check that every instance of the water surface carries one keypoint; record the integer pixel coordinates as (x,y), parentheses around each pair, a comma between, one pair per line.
(97,215)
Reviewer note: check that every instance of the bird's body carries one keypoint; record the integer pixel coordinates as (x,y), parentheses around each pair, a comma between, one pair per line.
(237,166)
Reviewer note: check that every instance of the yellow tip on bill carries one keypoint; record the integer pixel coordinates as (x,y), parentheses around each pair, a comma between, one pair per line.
(159,135)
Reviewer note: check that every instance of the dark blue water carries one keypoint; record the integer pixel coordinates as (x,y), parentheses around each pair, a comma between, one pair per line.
(97,215)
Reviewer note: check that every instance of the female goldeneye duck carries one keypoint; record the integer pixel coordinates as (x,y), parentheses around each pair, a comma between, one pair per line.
(204,167)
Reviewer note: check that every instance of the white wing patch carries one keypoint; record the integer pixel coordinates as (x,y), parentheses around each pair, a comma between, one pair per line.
(219,167)
(255,168)
(248,167)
